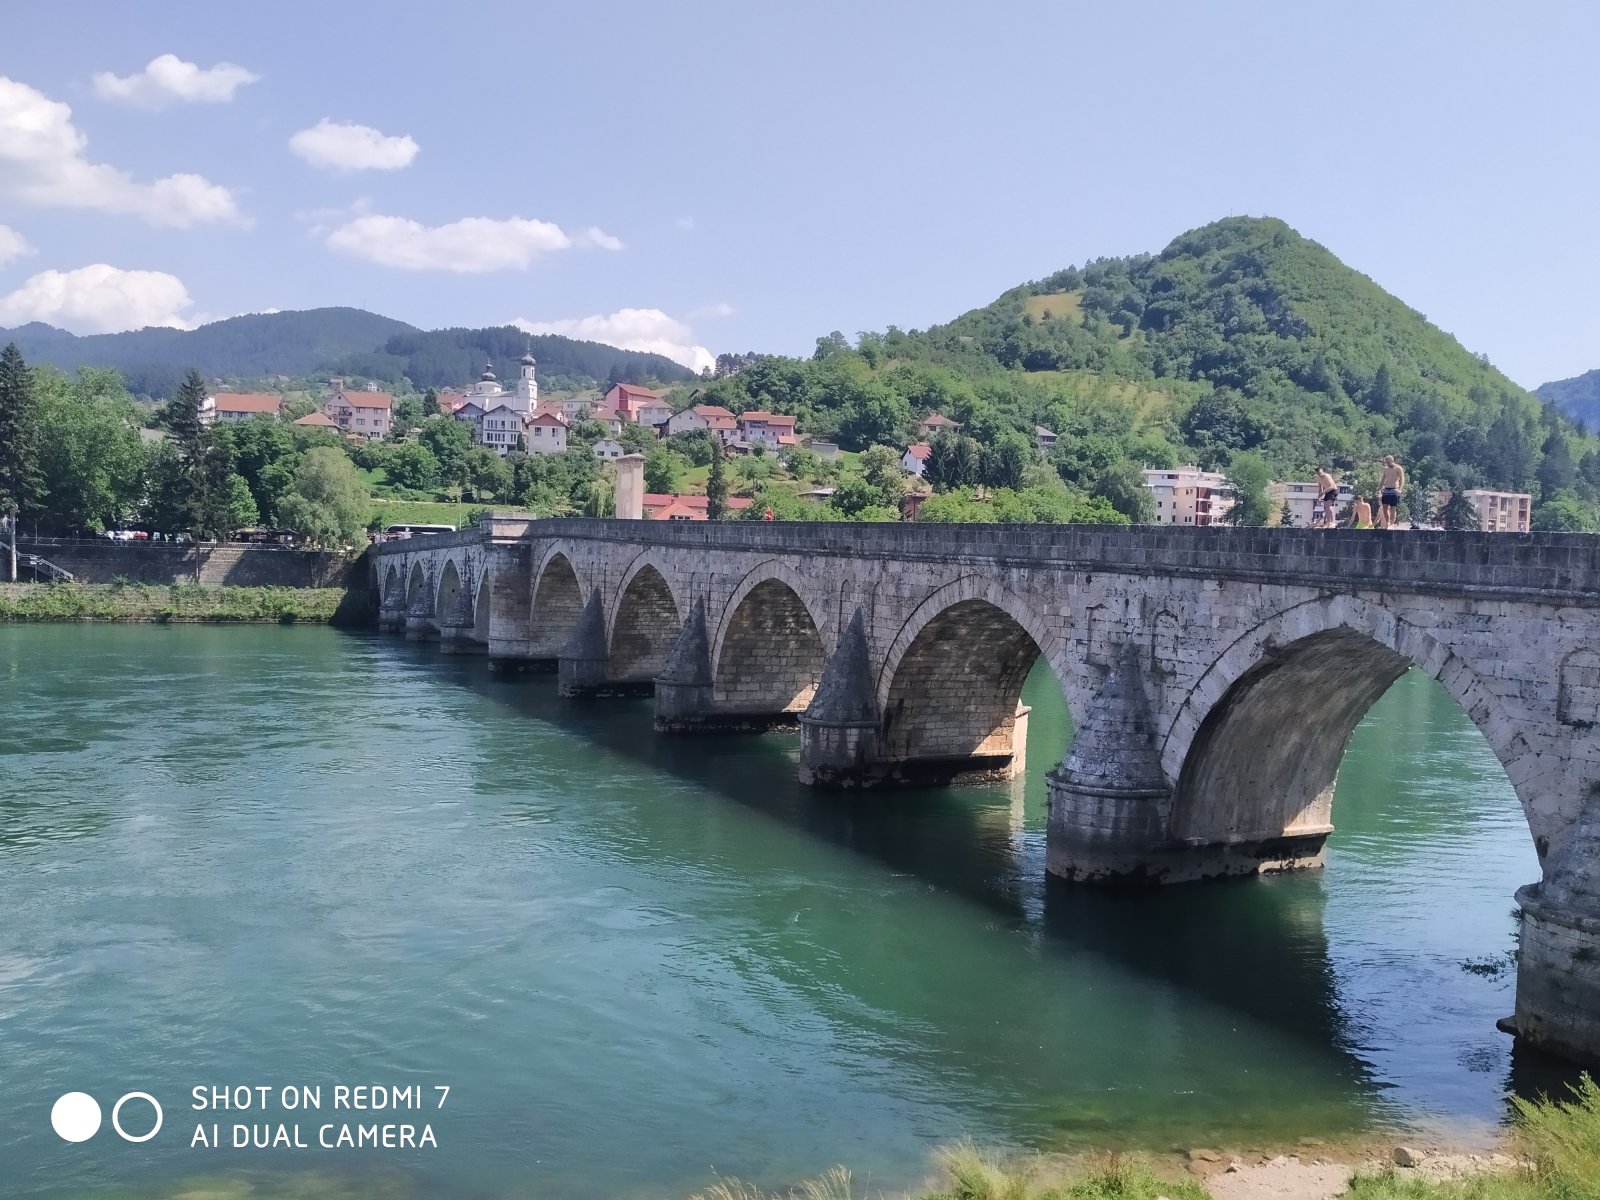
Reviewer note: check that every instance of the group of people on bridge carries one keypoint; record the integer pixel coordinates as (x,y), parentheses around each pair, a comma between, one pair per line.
(1391,486)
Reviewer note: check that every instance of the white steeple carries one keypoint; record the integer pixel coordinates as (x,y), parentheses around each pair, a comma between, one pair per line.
(527,384)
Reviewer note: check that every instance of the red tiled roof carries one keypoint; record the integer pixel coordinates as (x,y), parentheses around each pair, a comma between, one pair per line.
(548,418)
(320,420)
(941,421)
(710,410)
(768,418)
(643,393)
(659,506)
(250,402)
(920,451)
(357,399)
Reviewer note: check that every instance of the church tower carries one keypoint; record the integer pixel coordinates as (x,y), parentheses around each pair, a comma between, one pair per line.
(527,385)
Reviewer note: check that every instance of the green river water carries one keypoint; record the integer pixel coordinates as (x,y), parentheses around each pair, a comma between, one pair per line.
(295,857)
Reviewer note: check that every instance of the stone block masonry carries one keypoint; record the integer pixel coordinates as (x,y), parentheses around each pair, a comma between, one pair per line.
(225,565)
(1188,658)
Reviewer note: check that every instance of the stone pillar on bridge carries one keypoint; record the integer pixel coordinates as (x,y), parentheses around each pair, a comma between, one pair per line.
(583,667)
(1108,801)
(510,609)
(392,610)
(1558,959)
(839,732)
(684,687)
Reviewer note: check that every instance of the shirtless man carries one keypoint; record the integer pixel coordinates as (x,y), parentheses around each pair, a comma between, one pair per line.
(1362,511)
(1328,489)
(1390,487)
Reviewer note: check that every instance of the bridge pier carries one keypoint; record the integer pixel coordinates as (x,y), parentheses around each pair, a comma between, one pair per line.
(419,622)
(392,618)
(584,665)
(1558,958)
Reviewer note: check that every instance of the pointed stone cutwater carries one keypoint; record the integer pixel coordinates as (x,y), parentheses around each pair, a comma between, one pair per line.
(1558,959)
(684,687)
(455,624)
(1109,799)
(839,731)
(583,660)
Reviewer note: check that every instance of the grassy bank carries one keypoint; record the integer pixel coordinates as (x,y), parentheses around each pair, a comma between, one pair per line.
(178,602)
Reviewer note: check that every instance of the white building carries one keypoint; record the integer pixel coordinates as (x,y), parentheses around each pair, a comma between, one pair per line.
(652,413)
(1187,495)
(499,418)
(546,433)
(608,449)
(366,413)
(915,460)
(502,429)
(1305,503)
(1500,512)
(715,419)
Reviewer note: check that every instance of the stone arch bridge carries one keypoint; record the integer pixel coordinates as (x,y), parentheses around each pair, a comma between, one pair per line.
(1214,676)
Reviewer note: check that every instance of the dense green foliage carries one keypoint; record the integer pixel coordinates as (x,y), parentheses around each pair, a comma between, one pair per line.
(179,602)
(21,482)
(1241,336)
(1578,397)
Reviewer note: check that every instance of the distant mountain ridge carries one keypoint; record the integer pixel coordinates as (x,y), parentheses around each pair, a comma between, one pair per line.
(1578,397)
(347,341)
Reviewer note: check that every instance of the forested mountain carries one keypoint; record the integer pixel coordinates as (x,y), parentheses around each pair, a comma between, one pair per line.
(446,357)
(153,361)
(1578,397)
(347,341)
(1241,337)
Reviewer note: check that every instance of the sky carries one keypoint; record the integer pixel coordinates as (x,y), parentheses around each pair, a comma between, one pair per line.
(699,177)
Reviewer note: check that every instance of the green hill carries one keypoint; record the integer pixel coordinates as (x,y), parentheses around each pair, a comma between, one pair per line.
(346,341)
(1241,336)
(1578,397)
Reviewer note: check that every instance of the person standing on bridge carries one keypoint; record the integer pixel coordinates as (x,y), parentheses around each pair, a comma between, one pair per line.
(1328,489)
(1391,485)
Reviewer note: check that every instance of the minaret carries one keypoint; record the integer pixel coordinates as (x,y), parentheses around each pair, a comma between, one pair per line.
(527,385)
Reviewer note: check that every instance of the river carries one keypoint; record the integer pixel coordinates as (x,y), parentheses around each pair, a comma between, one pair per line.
(290,856)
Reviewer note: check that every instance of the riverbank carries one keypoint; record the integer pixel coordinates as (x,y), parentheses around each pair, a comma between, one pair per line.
(181,603)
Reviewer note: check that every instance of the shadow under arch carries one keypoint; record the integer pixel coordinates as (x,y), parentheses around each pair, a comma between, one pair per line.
(391,594)
(950,689)
(644,625)
(448,598)
(417,588)
(1276,714)
(557,604)
(481,606)
(769,656)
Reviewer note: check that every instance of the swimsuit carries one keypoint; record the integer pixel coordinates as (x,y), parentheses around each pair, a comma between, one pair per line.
(1391,497)
(1329,496)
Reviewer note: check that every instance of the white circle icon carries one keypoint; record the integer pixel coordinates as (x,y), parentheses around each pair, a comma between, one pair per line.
(76,1116)
(116,1114)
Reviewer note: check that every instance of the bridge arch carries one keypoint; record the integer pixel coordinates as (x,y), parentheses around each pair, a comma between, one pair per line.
(557,603)
(951,684)
(482,604)
(448,598)
(1257,742)
(768,651)
(393,594)
(418,588)
(645,620)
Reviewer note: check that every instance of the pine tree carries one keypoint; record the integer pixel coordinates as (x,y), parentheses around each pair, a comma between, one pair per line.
(717,485)
(430,403)
(199,496)
(21,482)
(1458,513)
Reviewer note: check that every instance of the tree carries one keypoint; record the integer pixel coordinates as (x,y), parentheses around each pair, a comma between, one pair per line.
(91,458)
(412,465)
(21,482)
(662,470)
(430,404)
(192,503)
(1457,512)
(490,475)
(239,503)
(1247,479)
(1557,471)
(880,467)
(408,413)
(329,502)
(1564,512)
(1123,487)
(450,440)
(717,485)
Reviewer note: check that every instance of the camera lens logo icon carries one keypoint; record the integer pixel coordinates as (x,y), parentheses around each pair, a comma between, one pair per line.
(76,1117)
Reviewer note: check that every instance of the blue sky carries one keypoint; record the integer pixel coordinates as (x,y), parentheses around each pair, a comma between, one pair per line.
(729,176)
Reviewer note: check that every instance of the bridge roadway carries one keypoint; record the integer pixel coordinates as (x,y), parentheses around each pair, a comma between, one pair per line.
(1214,676)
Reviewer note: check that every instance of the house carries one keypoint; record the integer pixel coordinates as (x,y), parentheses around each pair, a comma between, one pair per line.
(1502,512)
(1187,495)
(316,420)
(241,406)
(936,423)
(607,449)
(501,429)
(450,400)
(1304,502)
(1044,438)
(546,433)
(713,418)
(628,399)
(365,414)
(767,429)
(824,450)
(915,460)
(578,408)
(661,507)
(654,414)
(607,417)
(470,414)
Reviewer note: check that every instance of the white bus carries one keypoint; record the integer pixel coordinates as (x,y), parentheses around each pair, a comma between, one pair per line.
(395,533)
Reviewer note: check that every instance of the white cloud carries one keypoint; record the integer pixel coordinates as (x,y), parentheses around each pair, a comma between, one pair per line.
(646,329)
(470,246)
(42,162)
(169,79)
(720,309)
(341,146)
(100,299)
(13,245)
